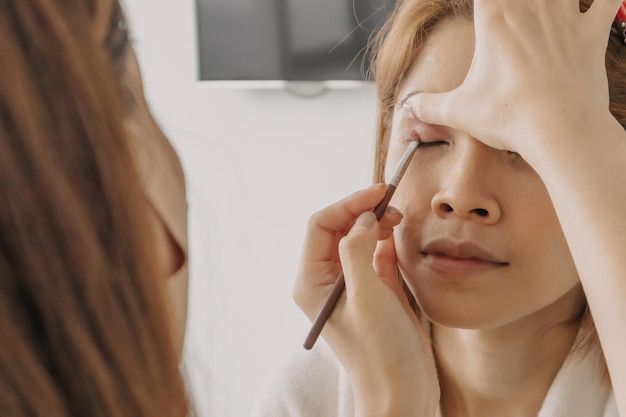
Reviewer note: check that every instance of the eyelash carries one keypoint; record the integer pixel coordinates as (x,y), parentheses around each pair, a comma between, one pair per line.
(431,144)
(423,145)
(435,143)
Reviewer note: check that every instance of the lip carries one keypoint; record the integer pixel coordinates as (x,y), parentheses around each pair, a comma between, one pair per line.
(459,257)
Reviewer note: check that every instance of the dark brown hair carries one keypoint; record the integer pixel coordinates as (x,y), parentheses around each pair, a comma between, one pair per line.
(83,323)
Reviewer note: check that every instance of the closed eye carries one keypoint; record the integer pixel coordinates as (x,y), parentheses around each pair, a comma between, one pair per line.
(431,144)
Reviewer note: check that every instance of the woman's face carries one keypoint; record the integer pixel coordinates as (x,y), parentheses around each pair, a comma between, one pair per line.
(480,245)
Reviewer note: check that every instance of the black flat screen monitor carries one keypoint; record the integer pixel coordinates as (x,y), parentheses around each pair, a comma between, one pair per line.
(292,40)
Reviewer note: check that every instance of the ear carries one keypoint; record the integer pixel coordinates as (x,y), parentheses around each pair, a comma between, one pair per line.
(102,10)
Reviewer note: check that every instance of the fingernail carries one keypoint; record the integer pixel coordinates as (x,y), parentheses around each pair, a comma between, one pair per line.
(393,210)
(408,110)
(365,220)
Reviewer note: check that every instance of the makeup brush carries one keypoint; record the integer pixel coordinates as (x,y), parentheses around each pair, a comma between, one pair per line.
(379,210)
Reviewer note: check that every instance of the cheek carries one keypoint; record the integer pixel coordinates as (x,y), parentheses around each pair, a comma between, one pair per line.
(397,145)
(413,195)
(544,250)
(414,203)
(529,233)
(413,198)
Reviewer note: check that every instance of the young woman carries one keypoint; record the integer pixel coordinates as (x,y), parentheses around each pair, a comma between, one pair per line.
(508,225)
(85,328)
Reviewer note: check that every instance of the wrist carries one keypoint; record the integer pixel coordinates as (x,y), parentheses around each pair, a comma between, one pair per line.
(394,397)
(555,146)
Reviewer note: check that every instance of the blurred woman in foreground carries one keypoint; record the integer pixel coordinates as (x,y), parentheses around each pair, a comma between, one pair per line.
(85,328)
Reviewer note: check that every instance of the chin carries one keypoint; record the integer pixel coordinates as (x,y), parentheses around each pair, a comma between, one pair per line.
(459,312)
(454,321)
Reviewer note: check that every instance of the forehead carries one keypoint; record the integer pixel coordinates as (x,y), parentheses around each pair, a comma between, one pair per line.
(444,60)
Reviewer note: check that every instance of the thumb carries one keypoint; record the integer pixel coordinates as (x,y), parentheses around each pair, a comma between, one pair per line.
(386,265)
(432,108)
(356,251)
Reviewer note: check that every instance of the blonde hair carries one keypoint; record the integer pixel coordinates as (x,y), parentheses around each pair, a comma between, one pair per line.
(396,46)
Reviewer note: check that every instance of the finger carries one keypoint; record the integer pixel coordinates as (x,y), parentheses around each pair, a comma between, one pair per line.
(604,11)
(386,265)
(390,219)
(321,237)
(434,108)
(356,251)
(384,234)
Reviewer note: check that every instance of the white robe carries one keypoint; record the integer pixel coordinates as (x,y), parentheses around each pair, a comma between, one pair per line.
(314,384)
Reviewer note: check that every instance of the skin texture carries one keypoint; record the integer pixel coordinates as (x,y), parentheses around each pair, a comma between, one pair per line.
(461,191)
(563,129)
(508,158)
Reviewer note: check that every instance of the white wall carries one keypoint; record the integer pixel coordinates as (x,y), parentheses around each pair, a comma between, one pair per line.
(258,163)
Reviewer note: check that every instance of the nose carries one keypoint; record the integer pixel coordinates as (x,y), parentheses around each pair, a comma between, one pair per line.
(467,188)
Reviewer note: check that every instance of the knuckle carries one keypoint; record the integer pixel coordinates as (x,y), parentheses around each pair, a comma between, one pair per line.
(302,296)
(314,220)
(299,294)
(349,245)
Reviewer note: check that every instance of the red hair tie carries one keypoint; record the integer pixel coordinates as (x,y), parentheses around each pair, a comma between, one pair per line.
(619,25)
